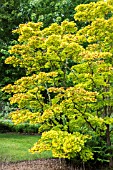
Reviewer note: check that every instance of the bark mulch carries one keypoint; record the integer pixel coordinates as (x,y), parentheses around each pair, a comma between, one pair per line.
(40,164)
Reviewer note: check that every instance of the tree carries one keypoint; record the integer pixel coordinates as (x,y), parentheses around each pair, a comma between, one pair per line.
(54,11)
(13,13)
(68,87)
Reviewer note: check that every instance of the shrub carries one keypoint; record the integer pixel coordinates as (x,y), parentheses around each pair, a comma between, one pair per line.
(8,126)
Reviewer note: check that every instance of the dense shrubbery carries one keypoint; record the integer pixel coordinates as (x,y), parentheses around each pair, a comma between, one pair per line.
(8,126)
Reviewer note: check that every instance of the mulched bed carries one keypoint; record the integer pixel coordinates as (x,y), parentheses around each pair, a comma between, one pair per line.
(40,164)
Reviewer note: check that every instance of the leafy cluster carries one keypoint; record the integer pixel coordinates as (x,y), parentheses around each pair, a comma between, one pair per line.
(64,144)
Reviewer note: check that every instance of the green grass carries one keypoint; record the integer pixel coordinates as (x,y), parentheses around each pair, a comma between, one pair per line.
(14,147)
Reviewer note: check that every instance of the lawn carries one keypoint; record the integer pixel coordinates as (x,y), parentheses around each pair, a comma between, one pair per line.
(14,147)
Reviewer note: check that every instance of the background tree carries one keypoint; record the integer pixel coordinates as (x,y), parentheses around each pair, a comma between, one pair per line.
(12,13)
(54,11)
(68,86)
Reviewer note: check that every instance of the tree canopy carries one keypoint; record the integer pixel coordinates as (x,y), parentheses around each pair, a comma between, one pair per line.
(13,13)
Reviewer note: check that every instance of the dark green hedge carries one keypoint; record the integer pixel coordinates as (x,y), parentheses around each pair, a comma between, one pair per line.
(8,126)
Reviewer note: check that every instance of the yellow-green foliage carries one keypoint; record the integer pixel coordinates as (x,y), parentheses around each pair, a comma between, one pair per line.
(63,144)
(93,11)
(68,87)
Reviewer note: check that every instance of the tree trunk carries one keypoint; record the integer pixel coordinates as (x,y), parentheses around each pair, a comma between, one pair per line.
(109,145)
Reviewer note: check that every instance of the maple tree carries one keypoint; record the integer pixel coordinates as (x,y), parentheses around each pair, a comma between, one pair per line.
(12,14)
(68,87)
